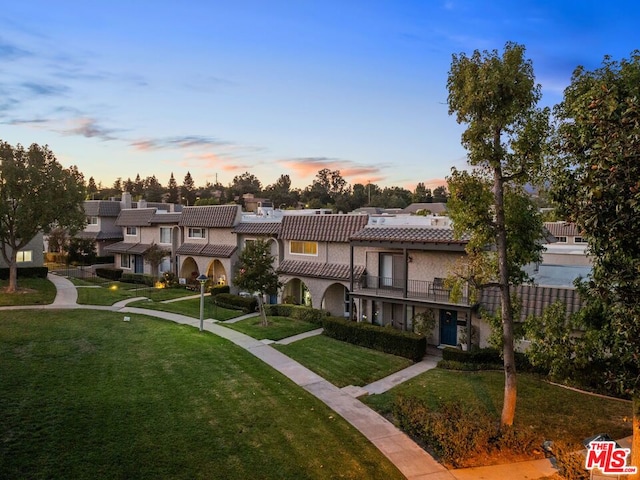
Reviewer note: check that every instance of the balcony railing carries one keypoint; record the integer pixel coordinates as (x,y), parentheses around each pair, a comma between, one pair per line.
(416,289)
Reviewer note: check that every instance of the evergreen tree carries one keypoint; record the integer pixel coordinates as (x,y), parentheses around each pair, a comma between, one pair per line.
(173,193)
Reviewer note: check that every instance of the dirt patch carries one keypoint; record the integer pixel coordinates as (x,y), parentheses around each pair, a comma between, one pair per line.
(19,291)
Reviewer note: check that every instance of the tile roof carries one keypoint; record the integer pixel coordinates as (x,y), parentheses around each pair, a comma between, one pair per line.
(258,228)
(321,228)
(334,271)
(124,247)
(101,208)
(534,299)
(100,235)
(166,218)
(135,217)
(402,234)
(206,250)
(211,216)
(562,229)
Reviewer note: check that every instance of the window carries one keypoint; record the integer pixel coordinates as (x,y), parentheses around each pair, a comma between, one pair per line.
(562,239)
(165,266)
(125,260)
(391,270)
(579,240)
(92,220)
(303,248)
(165,234)
(132,231)
(196,233)
(24,256)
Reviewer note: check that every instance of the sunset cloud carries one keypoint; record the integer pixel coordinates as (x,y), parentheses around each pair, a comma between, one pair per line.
(307,167)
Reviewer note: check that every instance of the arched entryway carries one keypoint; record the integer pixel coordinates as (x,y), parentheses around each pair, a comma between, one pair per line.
(336,301)
(217,273)
(189,270)
(296,292)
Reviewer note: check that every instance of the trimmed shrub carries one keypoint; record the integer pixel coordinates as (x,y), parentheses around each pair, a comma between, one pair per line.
(139,278)
(236,302)
(279,310)
(110,273)
(388,340)
(482,359)
(218,289)
(25,272)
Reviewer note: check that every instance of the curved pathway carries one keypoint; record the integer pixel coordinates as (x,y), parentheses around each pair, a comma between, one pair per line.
(404,453)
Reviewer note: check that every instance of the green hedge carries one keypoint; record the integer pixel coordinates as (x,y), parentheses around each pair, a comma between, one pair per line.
(388,340)
(110,273)
(218,289)
(25,272)
(236,302)
(482,359)
(298,312)
(140,278)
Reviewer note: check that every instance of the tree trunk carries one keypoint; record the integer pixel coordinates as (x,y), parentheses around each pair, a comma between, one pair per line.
(13,272)
(263,314)
(510,387)
(635,443)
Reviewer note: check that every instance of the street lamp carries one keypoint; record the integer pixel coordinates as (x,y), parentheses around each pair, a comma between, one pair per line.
(202,278)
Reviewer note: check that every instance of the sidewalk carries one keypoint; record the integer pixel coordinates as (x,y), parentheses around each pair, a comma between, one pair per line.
(409,458)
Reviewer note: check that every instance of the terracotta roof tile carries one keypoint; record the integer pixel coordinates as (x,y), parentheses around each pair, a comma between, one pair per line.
(190,248)
(534,299)
(124,247)
(135,217)
(258,228)
(562,229)
(166,218)
(321,228)
(392,233)
(210,216)
(334,271)
(220,251)
(101,235)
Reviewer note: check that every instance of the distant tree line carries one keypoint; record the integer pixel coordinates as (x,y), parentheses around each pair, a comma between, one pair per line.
(328,190)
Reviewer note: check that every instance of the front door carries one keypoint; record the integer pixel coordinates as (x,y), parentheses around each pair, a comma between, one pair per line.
(448,327)
(138,264)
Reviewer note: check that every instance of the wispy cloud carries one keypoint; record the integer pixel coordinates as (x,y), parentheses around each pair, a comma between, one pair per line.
(351,171)
(10,51)
(44,89)
(179,142)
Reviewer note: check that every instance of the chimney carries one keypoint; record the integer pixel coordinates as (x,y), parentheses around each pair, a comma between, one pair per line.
(142,204)
(126,200)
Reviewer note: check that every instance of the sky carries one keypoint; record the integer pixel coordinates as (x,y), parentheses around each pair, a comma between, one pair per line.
(220,88)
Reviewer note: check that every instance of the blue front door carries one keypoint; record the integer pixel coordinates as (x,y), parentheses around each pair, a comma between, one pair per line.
(138,266)
(448,327)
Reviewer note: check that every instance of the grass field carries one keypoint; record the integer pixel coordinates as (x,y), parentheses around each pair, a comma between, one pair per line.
(278,328)
(343,363)
(85,396)
(33,291)
(191,308)
(555,412)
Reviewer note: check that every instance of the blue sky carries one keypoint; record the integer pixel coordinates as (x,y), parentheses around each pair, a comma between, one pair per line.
(217,88)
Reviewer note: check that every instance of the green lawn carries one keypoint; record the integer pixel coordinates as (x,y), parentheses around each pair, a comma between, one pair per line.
(32,291)
(101,292)
(90,396)
(278,328)
(555,412)
(191,308)
(343,363)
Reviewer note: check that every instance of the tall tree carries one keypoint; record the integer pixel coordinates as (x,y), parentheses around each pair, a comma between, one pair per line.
(173,193)
(92,189)
(599,186)
(36,194)
(255,273)
(421,194)
(137,187)
(496,96)
(280,192)
(245,183)
(188,190)
(440,194)
(153,190)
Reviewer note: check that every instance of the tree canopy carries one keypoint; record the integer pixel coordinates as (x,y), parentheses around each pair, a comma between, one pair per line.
(598,188)
(36,194)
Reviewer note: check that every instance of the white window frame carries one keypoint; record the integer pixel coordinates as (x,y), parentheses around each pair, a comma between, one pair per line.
(131,231)
(192,230)
(562,239)
(165,229)
(92,220)
(304,244)
(24,256)
(125,260)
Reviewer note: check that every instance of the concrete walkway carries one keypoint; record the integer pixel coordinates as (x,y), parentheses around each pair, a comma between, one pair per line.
(409,458)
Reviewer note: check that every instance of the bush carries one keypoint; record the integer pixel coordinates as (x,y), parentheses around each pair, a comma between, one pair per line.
(218,289)
(456,432)
(236,302)
(25,272)
(110,273)
(482,359)
(388,340)
(279,310)
(139,278)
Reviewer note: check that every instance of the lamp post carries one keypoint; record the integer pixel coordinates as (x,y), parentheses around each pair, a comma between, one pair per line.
(202,278)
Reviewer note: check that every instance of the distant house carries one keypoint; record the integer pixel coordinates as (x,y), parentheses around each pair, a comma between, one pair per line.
(31,255)
(101,224)
(570,247)
(426,208)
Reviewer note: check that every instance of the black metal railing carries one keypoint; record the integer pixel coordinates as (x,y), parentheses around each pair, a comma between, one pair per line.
(409,289)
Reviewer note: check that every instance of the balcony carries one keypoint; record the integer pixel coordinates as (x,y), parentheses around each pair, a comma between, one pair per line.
(432,292)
